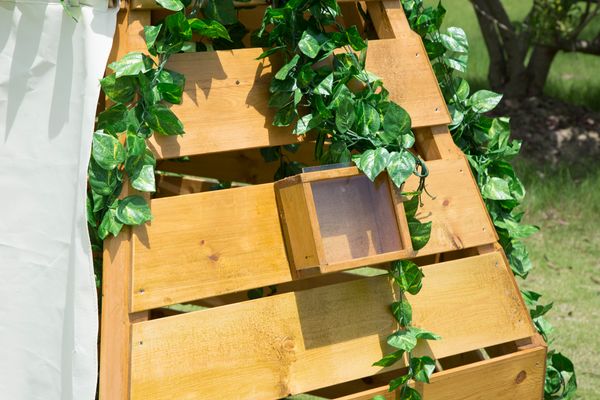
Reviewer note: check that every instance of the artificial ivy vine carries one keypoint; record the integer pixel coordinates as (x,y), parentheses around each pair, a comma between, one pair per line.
(408,278)
(330,93)
(487,145)
(140,89)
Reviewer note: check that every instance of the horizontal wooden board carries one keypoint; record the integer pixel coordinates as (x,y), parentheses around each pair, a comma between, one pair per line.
(153,5)
(225,107)
(297,342)
(514,376)
(213,243)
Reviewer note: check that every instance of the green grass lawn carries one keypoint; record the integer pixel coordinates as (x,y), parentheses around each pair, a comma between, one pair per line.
(566,258)
(573,77)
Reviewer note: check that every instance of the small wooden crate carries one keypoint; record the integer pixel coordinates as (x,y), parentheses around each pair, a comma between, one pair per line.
(336,219)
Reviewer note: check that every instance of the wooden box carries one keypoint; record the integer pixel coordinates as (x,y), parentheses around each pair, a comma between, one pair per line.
(336,219)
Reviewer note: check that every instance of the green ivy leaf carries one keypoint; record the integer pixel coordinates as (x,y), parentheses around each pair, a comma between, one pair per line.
(403,340)
(132,64)
(398,382)
(280,99)
(119,90)
(285,116)
(419,233)
(287,68)
(396,123)
(272,50)
(209,28)
(109,224)
(496,189)
(410,394)
(309,45)
(103,182)
(337,153)
(172,5)
(372,162)
(170,92)
(221,10)
(325,86)
(411,206)
(402,311)
(107,151)
(162,120)
(151,33)
(354,39)
(484,100)
(516,230)
(303,125)
(424,334)
(401,166)
(408,276)
(389,359)
(143,180)
(133,210)
(113,119)
(344,116)
(422,368)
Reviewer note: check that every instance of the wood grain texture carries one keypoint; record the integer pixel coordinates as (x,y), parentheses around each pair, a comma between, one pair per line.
(514,376)
(233,82)
(244,247)
(297,342)
(206,244)
(115,327)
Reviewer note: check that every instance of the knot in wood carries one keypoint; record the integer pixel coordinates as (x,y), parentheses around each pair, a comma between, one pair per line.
(520,377)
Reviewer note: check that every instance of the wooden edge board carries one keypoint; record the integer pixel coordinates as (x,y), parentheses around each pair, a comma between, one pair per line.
(279,345)
(212,243)
(513,376)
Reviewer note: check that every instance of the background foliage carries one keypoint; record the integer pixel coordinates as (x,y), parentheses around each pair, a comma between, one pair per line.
(487,145)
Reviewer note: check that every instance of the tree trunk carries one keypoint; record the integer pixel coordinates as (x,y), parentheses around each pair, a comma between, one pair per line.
(539,68)
(507,48)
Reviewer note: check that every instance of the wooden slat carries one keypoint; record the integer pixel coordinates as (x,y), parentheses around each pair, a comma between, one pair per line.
(297,342)
(509,377)
(234,84)
(432,143)
(152,5)
(213,243)
(116,321)
(513,376)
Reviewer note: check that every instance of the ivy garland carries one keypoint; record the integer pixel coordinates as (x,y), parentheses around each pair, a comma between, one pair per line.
(407,276)
(487,145)
(346,106)
(140,88)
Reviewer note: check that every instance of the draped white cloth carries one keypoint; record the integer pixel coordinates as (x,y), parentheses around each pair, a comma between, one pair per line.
(50,66)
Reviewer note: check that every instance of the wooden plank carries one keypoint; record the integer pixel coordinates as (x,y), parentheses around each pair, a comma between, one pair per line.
(233,82)
(435,142)
(115,328)
(513,376)
(270,347)
(219,242)
(388,19)
(152,5)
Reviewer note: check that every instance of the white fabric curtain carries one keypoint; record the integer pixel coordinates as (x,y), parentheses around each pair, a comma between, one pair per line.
(50,66)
